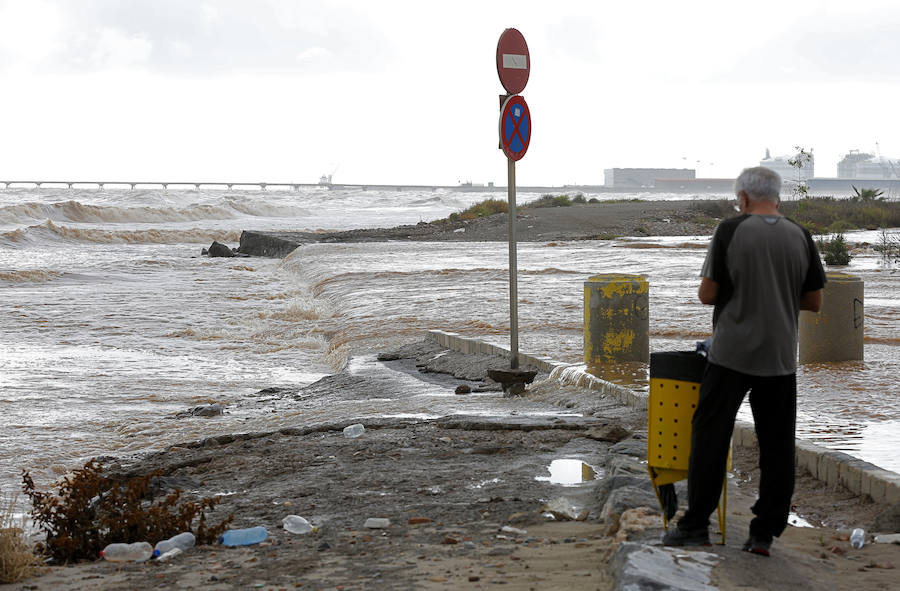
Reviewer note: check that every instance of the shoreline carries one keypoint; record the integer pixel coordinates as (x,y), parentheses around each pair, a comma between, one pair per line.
(590,221)
(451,485)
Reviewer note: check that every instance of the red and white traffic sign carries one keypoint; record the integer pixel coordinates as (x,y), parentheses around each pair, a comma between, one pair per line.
(515,127)
(513,61)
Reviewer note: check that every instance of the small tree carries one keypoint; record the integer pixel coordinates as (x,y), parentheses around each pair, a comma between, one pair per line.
(867,194)
(801,159)
(835,251)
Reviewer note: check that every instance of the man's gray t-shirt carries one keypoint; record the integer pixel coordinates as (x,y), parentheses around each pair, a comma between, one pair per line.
(762,264)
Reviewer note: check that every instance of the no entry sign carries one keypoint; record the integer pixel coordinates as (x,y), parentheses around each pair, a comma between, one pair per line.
(515,127)
(513,61)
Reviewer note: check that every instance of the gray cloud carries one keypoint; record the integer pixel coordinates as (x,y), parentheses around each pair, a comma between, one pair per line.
(826,50)
(212,38)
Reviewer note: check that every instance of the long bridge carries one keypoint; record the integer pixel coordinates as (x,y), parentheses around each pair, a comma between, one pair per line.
(198,185)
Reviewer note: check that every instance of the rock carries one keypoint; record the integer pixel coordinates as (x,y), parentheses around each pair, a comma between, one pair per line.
(611,433)
(270,244)
(450,540)
(637,520)
(209,410)
(217,249)
(204,252)
(888,521)
(621,464)
(630,447)
(377,523)
(561,509)
(611,483)
(623,499)
(161,484)
(389,356)
(418,520)
(637,566)
(463,389)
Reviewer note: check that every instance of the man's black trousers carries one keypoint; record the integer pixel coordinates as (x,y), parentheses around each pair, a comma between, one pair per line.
(773,400)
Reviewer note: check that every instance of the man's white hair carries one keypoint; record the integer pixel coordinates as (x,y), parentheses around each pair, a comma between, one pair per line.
(759,183)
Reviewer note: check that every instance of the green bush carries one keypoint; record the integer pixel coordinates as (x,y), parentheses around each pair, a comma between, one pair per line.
(550,201)
(480,209)
(867,194)
(835,251)
(820,214)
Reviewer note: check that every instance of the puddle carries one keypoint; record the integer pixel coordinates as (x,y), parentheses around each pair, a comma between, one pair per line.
(569,472)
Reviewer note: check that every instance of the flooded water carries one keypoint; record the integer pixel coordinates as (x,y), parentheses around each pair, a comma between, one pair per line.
(569,472)
(113,322)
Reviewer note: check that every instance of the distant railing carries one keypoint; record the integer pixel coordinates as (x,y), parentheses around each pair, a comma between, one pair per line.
(165,185)
(153,185)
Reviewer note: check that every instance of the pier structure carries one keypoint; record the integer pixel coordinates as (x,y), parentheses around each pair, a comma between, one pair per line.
(266,186)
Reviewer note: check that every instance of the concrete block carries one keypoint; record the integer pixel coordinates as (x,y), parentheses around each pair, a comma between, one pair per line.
(807,457)
(850,475)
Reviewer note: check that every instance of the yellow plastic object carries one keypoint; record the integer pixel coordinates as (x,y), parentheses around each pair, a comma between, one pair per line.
(670,409)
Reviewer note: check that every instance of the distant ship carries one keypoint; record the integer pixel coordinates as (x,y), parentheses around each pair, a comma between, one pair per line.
(861,165)
(790,172)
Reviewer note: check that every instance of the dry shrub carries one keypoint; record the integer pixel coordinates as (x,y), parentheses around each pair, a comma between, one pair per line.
(17,559)
(91,510)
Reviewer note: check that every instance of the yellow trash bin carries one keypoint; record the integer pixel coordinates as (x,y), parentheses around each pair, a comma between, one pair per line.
(674,391)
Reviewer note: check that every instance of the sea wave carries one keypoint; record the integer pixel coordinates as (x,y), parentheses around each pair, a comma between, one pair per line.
(76,211)
(28,276)
(268,210)
(53,233)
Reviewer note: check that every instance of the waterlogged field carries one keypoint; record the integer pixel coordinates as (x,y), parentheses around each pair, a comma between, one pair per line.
(114,323)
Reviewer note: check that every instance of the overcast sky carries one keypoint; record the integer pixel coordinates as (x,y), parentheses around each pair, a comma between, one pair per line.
(407,92)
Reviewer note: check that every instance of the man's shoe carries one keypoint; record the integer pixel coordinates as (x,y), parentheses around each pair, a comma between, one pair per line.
(757,545)
(679,537)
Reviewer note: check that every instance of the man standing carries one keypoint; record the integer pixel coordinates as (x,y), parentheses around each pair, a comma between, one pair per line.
(761,269)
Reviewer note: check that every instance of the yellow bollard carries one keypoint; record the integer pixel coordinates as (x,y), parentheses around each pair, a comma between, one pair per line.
(616,319)
(836,332)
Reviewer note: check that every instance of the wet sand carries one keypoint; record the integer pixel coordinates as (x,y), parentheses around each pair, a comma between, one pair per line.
(449,487)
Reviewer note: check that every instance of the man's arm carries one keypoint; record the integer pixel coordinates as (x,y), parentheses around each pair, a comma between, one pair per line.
(811,300)
(709,291)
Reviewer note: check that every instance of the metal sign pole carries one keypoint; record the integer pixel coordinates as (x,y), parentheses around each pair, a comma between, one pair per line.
(513,287)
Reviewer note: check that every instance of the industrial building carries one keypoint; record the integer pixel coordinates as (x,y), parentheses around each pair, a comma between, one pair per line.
(643,178)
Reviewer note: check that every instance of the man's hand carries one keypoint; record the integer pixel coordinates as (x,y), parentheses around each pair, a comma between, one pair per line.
(708,292)
(811,300)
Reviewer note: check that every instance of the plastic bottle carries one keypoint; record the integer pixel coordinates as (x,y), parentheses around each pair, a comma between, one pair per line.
(354,430)
(169,554)
(183,541)
(136,552)
(298,525)
(244,537)
(858,538)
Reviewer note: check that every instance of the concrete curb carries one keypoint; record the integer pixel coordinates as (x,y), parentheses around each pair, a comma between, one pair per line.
(831,467)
